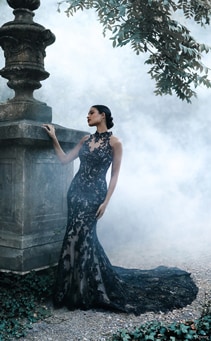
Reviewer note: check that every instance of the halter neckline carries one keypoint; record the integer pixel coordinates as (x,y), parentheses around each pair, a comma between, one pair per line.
(98,135)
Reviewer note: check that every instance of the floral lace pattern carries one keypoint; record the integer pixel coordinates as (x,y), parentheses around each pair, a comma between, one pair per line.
(86,279)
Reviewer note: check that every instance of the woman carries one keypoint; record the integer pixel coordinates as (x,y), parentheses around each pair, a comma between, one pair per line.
(83,266)
(86,279)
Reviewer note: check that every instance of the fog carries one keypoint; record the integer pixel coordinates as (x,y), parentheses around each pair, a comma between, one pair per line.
(160,211)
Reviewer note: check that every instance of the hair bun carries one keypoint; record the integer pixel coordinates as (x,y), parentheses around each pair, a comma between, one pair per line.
(109,122)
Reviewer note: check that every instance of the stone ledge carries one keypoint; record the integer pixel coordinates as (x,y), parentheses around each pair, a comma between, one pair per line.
(25,260)
(30,131)
(17,241)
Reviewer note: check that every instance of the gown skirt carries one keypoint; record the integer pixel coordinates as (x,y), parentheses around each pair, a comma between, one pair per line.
(85,277)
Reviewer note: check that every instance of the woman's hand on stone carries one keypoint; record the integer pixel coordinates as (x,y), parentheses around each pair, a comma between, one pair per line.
(50,129)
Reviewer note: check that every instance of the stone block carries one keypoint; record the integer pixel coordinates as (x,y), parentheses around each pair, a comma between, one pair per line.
(33,187)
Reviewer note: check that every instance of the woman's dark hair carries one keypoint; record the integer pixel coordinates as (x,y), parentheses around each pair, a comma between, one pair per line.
(107,111)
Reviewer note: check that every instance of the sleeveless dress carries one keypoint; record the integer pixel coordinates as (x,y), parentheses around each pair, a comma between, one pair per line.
(85,277)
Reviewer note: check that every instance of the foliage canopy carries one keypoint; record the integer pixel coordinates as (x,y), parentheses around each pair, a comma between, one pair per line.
(151,26)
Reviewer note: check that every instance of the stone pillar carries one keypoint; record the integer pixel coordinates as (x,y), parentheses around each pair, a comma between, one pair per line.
(33,184)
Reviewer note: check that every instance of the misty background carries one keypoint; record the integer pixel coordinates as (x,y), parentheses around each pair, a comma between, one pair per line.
(160,212)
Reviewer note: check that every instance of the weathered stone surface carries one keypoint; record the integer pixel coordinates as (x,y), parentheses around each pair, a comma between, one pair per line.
(24,42)
(25,109)
(30,4)
(33,186)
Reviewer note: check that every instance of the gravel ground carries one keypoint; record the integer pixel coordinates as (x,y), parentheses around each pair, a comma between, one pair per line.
(94,325)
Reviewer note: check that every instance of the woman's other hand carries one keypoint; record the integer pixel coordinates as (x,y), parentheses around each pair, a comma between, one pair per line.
(100,211)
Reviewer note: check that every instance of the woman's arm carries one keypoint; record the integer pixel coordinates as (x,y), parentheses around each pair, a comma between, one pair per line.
(62,156)
(116,163)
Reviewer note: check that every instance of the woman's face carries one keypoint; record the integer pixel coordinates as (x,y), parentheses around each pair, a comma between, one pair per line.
(94,118)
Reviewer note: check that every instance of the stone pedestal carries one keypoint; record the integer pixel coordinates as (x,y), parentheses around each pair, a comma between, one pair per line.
(33,187)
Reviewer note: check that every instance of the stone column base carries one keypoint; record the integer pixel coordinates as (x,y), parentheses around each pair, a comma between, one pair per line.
(33,187)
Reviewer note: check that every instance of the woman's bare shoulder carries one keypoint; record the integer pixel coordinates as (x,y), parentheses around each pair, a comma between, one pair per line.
(115,141)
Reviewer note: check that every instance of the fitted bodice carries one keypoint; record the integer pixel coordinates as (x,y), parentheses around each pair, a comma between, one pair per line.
(95,159)
(96,155)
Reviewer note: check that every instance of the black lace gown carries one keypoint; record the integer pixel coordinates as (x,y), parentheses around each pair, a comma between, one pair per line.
(86,279)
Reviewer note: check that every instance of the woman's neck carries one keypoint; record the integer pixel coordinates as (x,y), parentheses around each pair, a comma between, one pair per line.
(100,131)
(101,128)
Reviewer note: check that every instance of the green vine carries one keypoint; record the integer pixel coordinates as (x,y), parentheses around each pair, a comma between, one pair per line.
(156,331)
(23,301)
(199,329)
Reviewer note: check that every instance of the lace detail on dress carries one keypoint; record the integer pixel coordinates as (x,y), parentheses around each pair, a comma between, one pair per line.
(86,279)
(99,140)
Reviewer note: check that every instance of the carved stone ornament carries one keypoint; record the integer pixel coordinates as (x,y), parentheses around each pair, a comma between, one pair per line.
(29,4)
(24,43)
